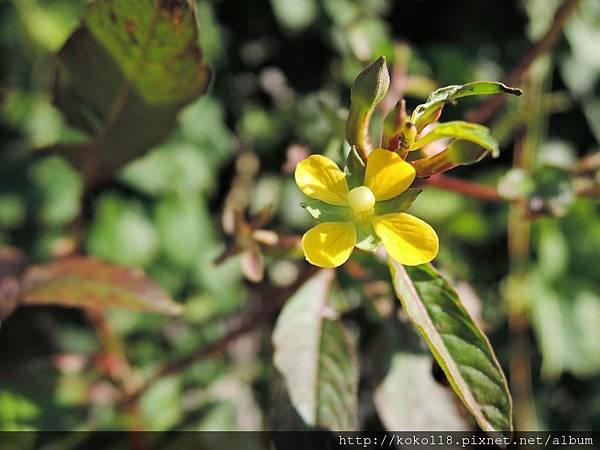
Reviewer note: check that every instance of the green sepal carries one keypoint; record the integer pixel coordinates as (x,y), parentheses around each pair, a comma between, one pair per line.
(366,239)
(398,204)
(367,91)
(430,111)
(355,169)
(324,212)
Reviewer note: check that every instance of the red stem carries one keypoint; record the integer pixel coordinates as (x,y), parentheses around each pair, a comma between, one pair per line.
(468,188)
(487,109)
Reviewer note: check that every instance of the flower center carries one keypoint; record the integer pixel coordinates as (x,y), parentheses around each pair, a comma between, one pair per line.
(361,199)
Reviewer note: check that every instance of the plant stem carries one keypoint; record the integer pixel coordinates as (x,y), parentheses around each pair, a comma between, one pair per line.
(116,363)
(487,109)
(468,188)
(517,301)
(519,244)
(243,324)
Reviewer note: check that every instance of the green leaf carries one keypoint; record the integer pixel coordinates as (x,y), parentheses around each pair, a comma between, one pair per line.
(58,188)
(398,204)
(122,232)
(566,322)
(179,224)
(124,75)
(429,111)
(367,91)
(324,212)
(316,357)
(295,15)
(459,346)
(460,130)
(410,399)
(366,239)
(458,153)
(354,169)
(82,282)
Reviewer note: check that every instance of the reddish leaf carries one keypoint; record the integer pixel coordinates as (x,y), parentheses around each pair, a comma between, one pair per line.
(83,282)
(12,263)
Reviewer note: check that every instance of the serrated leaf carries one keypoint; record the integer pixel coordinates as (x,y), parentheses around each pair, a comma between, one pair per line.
(459,346)
(124,75)
(354,169)
(316,357)
(324,212)
(458,153)
(410,399)
(429,111)
(83,282)
(463,131)
(367,91)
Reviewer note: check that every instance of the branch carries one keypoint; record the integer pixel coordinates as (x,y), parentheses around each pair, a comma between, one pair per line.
(243,324)
(468,188)
(487,109)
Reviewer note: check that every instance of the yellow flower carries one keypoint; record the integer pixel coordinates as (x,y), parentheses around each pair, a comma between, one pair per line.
(407,239)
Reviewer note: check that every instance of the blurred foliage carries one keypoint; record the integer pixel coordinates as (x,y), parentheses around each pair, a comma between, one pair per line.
(280,88)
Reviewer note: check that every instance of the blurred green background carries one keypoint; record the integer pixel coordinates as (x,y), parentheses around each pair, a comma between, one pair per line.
(281,80)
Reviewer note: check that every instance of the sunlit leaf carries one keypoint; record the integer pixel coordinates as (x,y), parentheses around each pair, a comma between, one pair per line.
(124,75)
(316,357)
(82,282)
(459,346)
(460,130)
(429,111)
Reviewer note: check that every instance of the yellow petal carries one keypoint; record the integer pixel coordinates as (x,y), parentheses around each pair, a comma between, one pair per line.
(408,240)
(387,174)
(320,178)
(329,244)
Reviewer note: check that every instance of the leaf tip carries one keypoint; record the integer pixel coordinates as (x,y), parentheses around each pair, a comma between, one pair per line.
(511,90)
